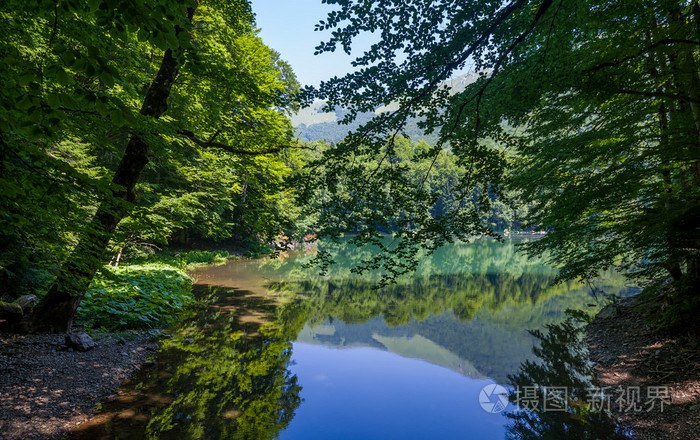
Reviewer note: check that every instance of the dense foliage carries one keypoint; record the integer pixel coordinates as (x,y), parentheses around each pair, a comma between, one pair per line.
(135,296)
(127,125)
(130,125)
(334,208)
(589,108)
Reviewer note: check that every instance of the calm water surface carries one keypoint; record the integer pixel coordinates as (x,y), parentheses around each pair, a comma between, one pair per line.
(284,353)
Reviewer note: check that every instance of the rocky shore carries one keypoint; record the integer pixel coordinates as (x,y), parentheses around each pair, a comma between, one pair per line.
(46,387)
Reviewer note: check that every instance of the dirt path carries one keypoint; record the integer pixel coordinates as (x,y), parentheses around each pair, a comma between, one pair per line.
(640,366)
(46,389)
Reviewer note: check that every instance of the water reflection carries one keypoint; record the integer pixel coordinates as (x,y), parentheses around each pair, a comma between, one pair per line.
(404,361)
(556,394)
(223,374)
(475,324)
(365,393)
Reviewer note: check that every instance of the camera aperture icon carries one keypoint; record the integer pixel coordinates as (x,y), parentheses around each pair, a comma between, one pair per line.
(493,398)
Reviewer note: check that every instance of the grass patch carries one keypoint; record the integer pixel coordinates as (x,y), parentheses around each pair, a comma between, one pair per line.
(135,296)
(147,292)
(187,260)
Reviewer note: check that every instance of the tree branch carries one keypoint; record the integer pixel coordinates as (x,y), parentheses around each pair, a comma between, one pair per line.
(479,94)
(449,67)
(209,144)
(657,94)
(665,41)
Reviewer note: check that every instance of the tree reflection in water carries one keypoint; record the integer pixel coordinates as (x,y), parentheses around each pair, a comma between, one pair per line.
(224,374)
(562,365)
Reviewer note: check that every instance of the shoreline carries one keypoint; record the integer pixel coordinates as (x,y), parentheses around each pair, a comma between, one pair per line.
(46,390)
(630,355)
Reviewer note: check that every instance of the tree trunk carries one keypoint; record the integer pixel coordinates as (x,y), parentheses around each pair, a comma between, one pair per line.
(56,310)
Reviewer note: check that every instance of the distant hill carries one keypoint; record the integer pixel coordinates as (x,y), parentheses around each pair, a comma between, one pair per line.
(313,125)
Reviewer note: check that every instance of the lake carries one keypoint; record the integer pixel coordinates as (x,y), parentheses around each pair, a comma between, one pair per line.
(282,352)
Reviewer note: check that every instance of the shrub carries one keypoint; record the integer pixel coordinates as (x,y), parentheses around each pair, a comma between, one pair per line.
(135,296)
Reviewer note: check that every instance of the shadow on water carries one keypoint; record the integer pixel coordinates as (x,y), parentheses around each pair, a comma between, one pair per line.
(556,394)
(223,374)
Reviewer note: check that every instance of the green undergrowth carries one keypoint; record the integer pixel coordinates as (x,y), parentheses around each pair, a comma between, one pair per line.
(135,296)
(186,260)
(145,292)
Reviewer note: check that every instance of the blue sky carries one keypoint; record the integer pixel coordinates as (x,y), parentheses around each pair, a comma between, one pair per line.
(288,27)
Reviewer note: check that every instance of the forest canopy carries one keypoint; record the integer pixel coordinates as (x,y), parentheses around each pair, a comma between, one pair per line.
(128,124)
(589,110)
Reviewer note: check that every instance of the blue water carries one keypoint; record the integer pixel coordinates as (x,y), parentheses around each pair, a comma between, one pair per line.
(367,393)
(340,358)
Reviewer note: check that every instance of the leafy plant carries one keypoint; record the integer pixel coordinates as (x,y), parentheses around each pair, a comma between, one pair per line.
(135,296)
(586,109)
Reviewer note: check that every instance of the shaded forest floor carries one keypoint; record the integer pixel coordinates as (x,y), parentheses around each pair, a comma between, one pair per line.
(45,389)
(633,360)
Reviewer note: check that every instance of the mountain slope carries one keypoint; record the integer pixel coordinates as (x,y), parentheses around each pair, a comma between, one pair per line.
(313,124)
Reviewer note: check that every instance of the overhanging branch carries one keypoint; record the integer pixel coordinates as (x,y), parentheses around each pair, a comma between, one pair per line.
(658,94)
(663,42)
(452,65)
(211,144)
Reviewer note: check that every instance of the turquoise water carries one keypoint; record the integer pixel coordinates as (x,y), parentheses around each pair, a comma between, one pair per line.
(285,353)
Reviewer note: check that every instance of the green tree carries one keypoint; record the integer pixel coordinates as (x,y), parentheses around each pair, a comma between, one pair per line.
(591,107)
(92,96)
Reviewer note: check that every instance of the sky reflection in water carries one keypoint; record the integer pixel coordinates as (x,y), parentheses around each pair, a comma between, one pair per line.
(365,393)
(406,362)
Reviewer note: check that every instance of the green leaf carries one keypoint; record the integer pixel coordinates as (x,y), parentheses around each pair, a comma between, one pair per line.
(93,52)
(101,108)
(142,35)
(53,100)
(63,77)
(27,78)
(107,79)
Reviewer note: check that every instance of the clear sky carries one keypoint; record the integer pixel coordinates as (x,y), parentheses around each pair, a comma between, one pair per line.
(288,27)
